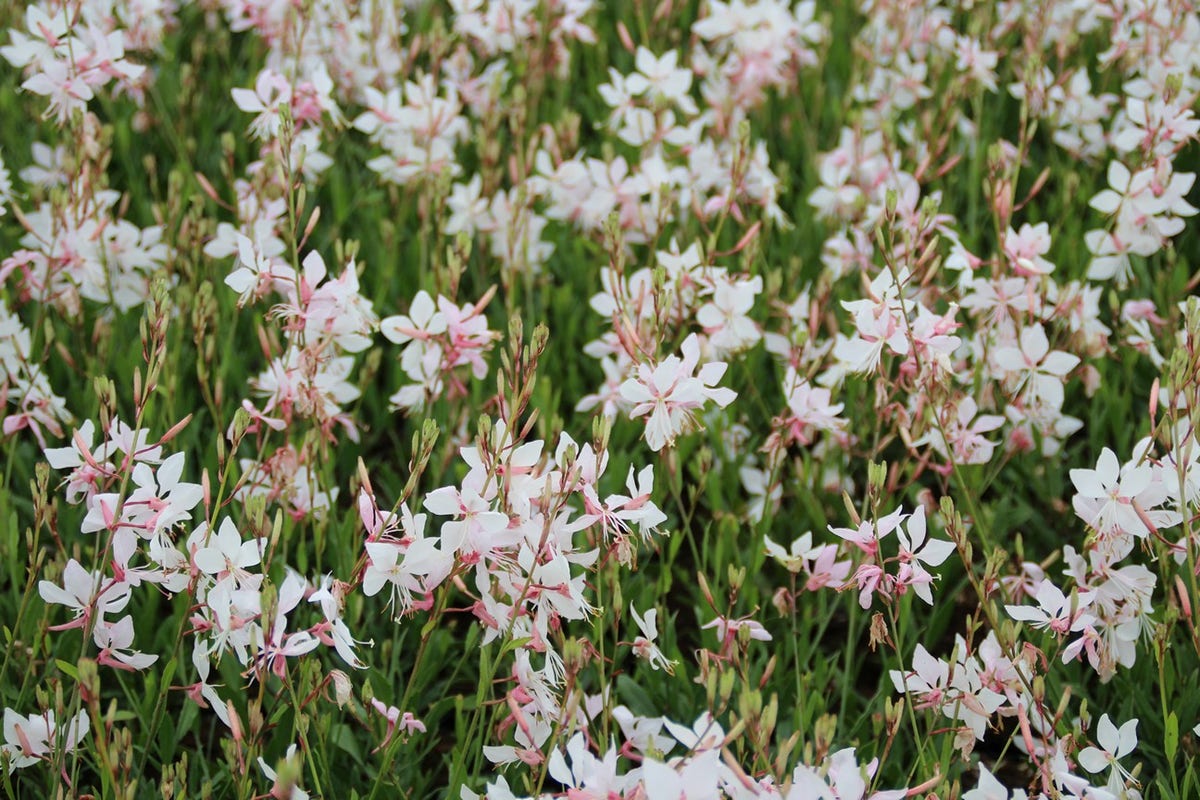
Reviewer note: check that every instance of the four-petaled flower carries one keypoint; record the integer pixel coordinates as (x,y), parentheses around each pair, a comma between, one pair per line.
(672,390)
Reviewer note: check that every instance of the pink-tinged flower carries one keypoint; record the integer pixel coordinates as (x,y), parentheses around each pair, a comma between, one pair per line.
(257,271)
(280,645)
(285,789)
(619,513)
(47,35)
(645,646)
(794,558)
(411,570)
(1148,205)
(868,534)
(28,740)
(928,680)
(725,317)
(85,592)
(271,92)
(672,390)
(226,555)
(1156,127)
(975,61)
(956,688)
(587,777)
(819,563)
(134,444)
(329,309)
(998,302)
(809,409)
(555,592)
(396,722)
(67,89)
(115,640)
(1056,611)
(839,777)
(479,529)
(932,341)
(531,736)
(438,340)
(1108,497)
(88,471)
(871,580)
(1025,249)
(171,571)
(641,734)
(960,438)
(202,693)
(422,321)
(878,322)
(918,551)
(333,631)
(160,501)
(863,352)
(698,776)
(824,569)
(468,335)
(229,617)
(727,629)
(1141,310)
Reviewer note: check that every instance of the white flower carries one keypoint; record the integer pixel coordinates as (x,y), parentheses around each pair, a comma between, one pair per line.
(1116,743)
(644,646)
(669,392)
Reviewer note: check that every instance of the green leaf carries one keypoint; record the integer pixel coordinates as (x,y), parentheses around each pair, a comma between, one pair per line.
(68,669)
(1171,737)
(343,738)
(169,671)
(634,696)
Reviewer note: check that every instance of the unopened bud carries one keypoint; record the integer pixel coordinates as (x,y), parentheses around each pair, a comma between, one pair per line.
(737,577)
(728,677)
(1185,601)
(89,681)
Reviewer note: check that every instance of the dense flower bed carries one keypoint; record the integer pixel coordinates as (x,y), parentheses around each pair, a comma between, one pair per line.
(513,398)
